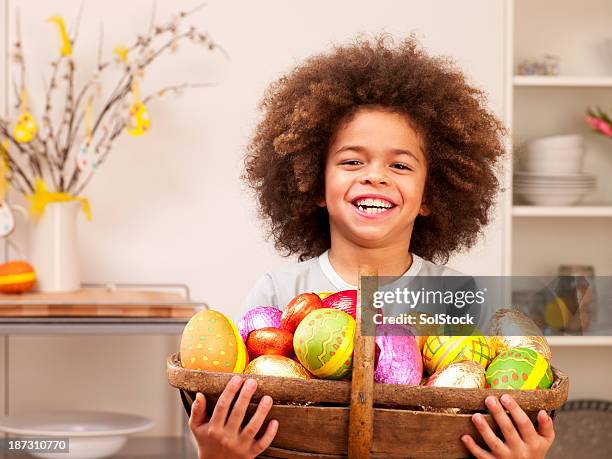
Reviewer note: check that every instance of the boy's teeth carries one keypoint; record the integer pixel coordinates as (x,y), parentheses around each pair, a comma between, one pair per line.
(371,202)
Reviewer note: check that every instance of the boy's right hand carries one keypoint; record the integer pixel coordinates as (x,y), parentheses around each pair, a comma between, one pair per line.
(222,436)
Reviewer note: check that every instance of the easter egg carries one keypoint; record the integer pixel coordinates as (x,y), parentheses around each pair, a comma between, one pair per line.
(323,343)
(511,328)
(324,295)
(465,374)
(298,308)
(259,317)
(399,358)
(277,365)
(439,351)
(16,277)
(211,342)
(270,341)
(519,368)
(345,300)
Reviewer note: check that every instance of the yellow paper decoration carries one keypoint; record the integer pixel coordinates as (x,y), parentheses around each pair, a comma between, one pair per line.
(4,184)
(41,197)
(66,49)
(139,122)
(121,52)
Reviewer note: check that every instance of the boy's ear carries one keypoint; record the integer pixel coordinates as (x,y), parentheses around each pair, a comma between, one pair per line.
(424,211)
(321,202)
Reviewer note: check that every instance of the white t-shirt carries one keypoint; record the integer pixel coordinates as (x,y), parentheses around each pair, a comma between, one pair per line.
(278,288)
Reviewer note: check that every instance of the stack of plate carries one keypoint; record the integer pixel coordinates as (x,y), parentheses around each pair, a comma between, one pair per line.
(553,189)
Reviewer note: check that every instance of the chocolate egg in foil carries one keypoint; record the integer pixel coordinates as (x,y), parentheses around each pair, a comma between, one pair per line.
(259,317)
(399,357)
(510,328)
(277,365)
(465,374)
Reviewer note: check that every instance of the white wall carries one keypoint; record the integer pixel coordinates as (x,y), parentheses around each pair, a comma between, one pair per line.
(169,207)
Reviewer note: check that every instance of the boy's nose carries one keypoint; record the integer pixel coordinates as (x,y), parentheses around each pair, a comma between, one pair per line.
(374,177)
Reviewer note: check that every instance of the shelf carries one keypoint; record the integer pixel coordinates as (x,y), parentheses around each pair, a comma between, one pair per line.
(563,211)
(563,341)
(91,326)
(562,81)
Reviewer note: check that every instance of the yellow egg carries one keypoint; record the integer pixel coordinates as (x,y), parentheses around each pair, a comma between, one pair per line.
(440,351)
(211,342)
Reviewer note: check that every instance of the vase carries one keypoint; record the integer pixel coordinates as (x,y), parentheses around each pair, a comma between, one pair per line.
(54,248)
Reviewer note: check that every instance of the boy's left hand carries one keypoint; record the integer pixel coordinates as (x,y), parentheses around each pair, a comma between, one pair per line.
(525,442)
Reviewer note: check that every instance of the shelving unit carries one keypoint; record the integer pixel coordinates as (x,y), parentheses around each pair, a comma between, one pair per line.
(105,309)
(560,341)
(540,238)
(562,81)
(601,211)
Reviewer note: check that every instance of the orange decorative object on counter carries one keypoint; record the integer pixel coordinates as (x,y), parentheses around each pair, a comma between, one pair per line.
(17,277)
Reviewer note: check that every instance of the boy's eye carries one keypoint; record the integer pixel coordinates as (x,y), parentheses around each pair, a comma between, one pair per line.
(402,166)
(351,162)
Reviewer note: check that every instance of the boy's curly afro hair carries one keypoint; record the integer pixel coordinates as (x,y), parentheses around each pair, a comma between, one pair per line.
(462,141)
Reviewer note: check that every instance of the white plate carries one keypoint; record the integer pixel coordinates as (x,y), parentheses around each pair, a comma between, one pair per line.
(536,175)
(92,434)
(553,190)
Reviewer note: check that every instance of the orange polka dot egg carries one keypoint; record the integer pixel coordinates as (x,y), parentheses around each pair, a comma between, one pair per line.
(211,342)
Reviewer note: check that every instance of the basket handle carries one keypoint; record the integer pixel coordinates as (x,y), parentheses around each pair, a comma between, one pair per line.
(362,387)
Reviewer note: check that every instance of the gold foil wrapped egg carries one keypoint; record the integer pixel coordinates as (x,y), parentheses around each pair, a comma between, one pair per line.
(277,365)
(465,374)
(511,328)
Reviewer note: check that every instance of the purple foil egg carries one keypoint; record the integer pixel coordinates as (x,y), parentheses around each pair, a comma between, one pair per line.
(399,360)
(259,317)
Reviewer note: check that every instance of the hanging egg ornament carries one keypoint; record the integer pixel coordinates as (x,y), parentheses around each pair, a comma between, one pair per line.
(298,308)
(270,341)
(7,220)
(259,317)
(17,277)
(511,328)
(211,342)
(323,343)
(345,300)
(277,365)
(519,368)
(139,121)
(25,129)
(439,351)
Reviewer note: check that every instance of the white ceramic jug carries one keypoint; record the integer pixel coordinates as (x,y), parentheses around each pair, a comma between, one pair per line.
(54,247)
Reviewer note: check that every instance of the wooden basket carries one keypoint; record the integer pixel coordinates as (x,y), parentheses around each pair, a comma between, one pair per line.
(358,418)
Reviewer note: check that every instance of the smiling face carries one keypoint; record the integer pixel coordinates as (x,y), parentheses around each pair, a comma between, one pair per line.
(375,173)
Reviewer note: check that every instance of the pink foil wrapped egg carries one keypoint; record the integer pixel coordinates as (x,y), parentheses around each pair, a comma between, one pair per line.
(259,317)
(399,357)
(346,301)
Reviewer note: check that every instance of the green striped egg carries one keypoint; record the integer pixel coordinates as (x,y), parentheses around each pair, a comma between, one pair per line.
(519,368)
(323,343)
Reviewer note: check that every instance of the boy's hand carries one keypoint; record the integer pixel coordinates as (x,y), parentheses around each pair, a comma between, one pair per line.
(524,443)
(222,436)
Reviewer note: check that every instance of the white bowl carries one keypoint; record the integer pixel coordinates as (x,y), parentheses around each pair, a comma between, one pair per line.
(557,141)
(91,434)
(546,166)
